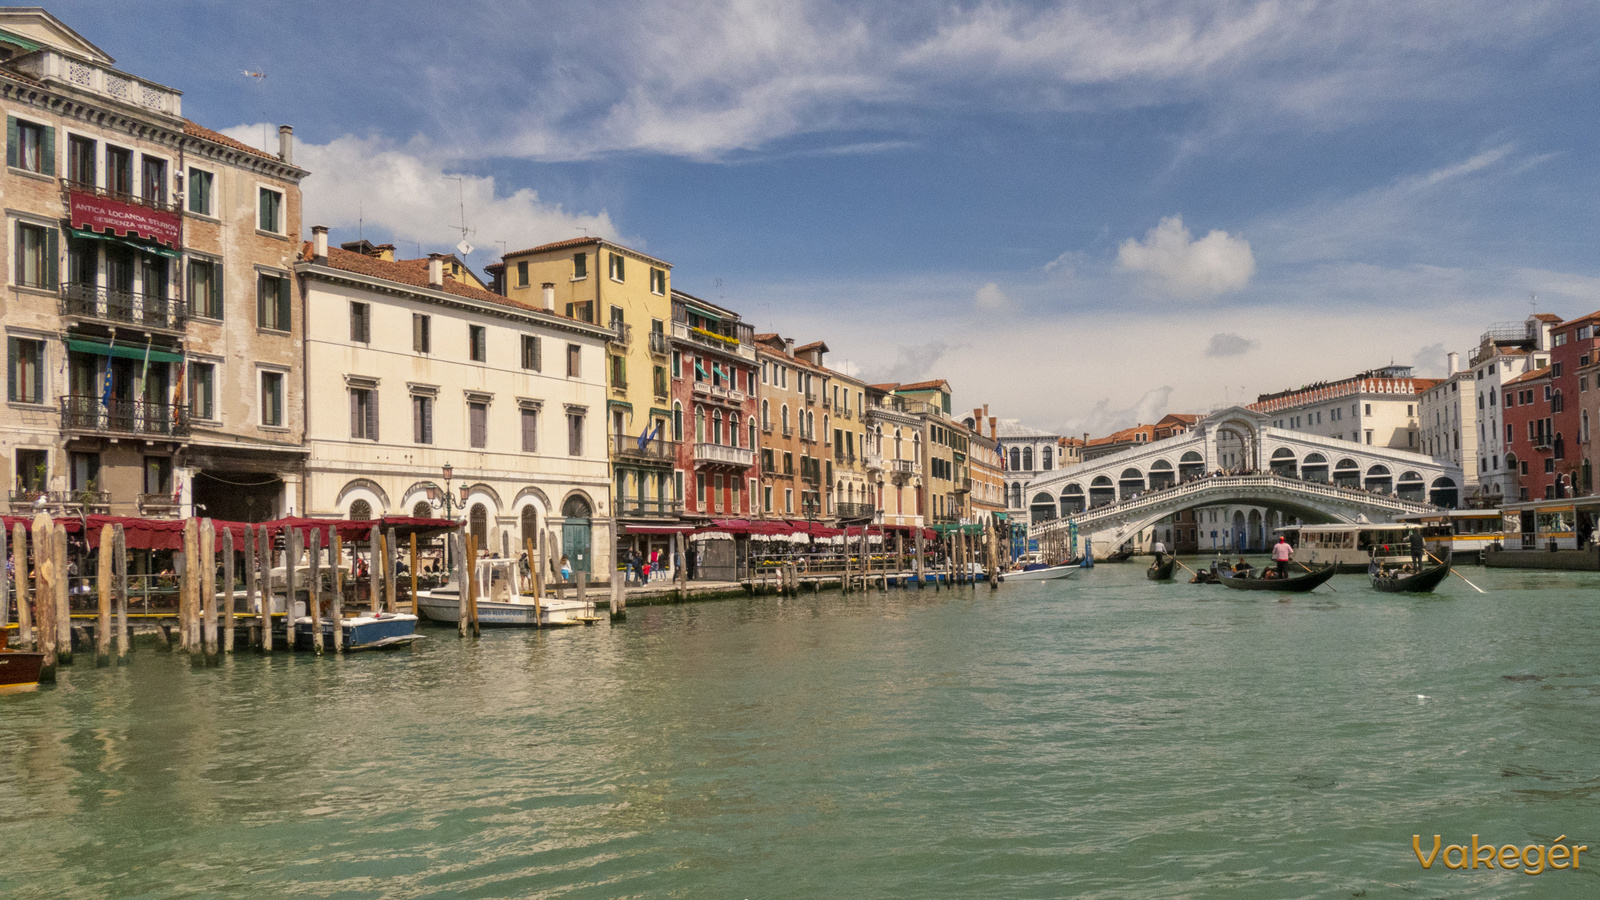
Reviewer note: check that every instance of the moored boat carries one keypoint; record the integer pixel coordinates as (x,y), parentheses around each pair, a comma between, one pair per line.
(1412,583)
(19,670)
(1297,584)
(502,602)
(1042,573)
(362,631)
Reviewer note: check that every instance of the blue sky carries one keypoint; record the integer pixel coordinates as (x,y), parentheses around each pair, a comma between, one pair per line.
(1082,214)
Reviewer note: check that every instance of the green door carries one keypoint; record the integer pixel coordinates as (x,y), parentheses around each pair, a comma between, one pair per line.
(575,544)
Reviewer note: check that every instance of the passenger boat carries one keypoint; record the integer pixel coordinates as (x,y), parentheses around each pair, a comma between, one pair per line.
(1463,530)
(1415,583)
(1350,547)
(502,602)
(1161,569)
(1296,584)
(19,670)
(1042,573)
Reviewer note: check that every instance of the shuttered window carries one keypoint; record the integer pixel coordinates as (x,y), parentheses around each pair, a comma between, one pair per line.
(271,212)
(531,353)
(37,250)
(530,430)
(477,340)
(360,323)
(205,288)
(363,414)
(30,146)
(272,302)
(421,333)
(25,370)
(478,424)
(422,419)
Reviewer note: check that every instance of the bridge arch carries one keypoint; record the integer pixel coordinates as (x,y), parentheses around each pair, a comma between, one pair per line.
(1443,492)
(1101,491)
(1161,475)
(1191,465)
(1347,473)
(1379,480)
(1314,467)
(1042,508)
(1283,463)
(1072,500)
(1130,483)
(1411,486)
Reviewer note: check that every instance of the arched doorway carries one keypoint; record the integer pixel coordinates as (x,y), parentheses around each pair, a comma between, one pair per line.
(1347,473)
(1283,463)
(1042,509)
(1410,487)
(1443,492)
(1314,468)
(1237,536)
(1257,536)
(530,526)
(478,524)
(1192,465)
(1161,475)
(575,532)
(1130,484)
(1071,500)
(1379,481)
(1101,491)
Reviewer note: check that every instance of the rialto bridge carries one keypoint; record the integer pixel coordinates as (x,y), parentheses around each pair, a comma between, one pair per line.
(1235,457)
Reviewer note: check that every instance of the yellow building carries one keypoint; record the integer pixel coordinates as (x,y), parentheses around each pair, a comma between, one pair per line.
(594,280)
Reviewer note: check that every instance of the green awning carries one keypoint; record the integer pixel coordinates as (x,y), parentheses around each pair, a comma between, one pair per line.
(663,413)
(972,528)
(11,37)
(619,404)
(1001,517)
(126,351)
(705,315)
(141,246)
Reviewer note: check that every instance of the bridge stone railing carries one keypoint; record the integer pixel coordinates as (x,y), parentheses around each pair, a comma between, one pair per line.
(1091,520)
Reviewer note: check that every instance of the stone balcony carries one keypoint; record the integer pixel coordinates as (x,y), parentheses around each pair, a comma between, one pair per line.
(55,68)
(722,455)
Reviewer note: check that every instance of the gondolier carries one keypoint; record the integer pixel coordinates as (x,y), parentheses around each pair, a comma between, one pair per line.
(1159,549)
(1281,554)
(1416,550)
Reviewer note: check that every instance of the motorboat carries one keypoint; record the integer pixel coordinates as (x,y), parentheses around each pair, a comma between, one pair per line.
(503,602)
(1042,573)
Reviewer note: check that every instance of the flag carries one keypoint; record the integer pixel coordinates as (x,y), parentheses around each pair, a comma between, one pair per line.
(144,371)
(105,381)
(177,400)
(644,436)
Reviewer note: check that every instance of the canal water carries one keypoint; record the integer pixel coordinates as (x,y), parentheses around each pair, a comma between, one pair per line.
(1102,737)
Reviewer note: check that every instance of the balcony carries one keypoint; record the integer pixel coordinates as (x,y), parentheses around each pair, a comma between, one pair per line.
(158,506)
(86,502)
(826,403)
(50,66)
(658,343)
(723,343)
(788,431)
(94,303)
(844,413)
(626,446)
(944,519)
(80,413)
(721,455)
(719,392)
(872,461)
(963,485)
(632,506)
(811,399)
(855,510)
(621,335)
(766,427)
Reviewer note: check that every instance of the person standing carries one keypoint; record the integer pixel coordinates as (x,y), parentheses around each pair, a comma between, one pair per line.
(1281,554)
(1416,550)
(1159,549)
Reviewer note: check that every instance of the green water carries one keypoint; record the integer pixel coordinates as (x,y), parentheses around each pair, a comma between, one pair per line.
(1104,737)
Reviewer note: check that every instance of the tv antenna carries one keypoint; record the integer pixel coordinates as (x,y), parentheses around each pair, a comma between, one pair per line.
(465,248)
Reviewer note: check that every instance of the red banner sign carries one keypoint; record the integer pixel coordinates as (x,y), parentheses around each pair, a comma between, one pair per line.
(104,214)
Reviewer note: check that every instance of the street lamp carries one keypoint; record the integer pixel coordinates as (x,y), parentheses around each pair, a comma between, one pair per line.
(446,501)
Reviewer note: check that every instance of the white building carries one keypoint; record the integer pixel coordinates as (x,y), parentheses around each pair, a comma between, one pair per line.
(411,369)
(1504,352)
(1377,407)
(1026,454)
(1447,414)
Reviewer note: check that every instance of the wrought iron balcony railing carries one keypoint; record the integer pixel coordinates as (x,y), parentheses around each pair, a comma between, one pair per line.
(658,343)
(854,510)
(632,506)
(81,413)
(628,447)
(90,301)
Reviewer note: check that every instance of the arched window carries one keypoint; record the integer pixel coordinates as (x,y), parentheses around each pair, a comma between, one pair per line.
(576,507)
(766,414)
(699,425)
(1583,428)
(786,417)
(1027,458)
(478,522)
(716,427)
(360,511)
(422,510)
(827,429)
(1045,461)
(752,444)
(1016,461)
(677,421)
(530,526)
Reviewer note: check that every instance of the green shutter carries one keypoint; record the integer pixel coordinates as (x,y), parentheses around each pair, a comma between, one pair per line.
(11,370)
(261,304)
(216,290)
(11,141)
(283,304)
(261,214)
(47,165)
(52,261)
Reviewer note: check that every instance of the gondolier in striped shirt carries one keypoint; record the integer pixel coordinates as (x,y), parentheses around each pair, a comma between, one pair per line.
(1281,554)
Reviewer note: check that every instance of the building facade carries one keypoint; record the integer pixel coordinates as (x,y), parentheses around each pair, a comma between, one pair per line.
(1377,407)
(153,347)
(714,403)
(441,399)
(895,430)
(1504,352)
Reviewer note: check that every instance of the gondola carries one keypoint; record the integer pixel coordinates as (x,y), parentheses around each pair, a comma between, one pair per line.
(1296,584)
(1419,583)
(1161,569)
(1120,556)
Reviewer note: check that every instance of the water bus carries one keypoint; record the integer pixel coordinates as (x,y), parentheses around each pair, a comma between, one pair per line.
(1462,531)
(1350,548)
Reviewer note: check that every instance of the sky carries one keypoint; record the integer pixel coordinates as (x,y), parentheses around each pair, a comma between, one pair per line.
(1084,215)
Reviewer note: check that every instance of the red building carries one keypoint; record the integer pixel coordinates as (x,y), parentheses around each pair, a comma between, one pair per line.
(1532,448)
(1574,346)
(713,371)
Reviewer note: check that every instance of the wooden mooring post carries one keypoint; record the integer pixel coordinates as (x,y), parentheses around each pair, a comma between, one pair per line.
(336,578)
(391,559)
(44,608)
(5,594)
(102,622)
(291,587)
(619,590)
(314,588)
(58,537)
(416,610)
(458,547)
(920,557)
(208,590)
(472,583)
(19,553)
(229,594)
(119,558)
(263,582)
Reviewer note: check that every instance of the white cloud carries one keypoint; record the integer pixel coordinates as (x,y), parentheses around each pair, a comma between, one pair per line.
(1184,267)
(410,197)
(990,298)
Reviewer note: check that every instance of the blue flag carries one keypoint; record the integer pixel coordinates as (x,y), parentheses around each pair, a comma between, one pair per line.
(105,381)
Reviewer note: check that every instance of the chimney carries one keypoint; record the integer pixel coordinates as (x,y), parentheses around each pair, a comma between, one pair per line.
(286,144)
(1452,362)
(549,296)
(788,347)
(994,426)
(435,270)
(319,243)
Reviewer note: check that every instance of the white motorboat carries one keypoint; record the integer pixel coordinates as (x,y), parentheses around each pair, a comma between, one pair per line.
(1046,573)
(502,601)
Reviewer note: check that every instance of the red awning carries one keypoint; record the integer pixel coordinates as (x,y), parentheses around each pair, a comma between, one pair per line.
(660,529)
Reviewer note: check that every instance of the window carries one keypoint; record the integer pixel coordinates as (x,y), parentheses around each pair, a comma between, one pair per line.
(659,380)
(421,419)
(80,161)
(421,333)
(530,430)
(25,370)
(119,171)
(619,372)
(478,424)
(270,216)
(1555,370)
(574,360)
(37,248)
(363,414)
(677,364)
(522,274)
(677,421)
(200,184)
(766,498)
(580,266)
(203,390)
(154,181)
(272,399)
(30,147)
(700,489)
(617,273)
(477,343)
(205,288)
(658,281)
(532,357)
(272,302)
(574,434)
(360,323)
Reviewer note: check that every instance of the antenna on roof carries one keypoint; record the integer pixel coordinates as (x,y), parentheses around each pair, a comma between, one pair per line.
(465,248)
(1533,303)
(361,220)
(502,248)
